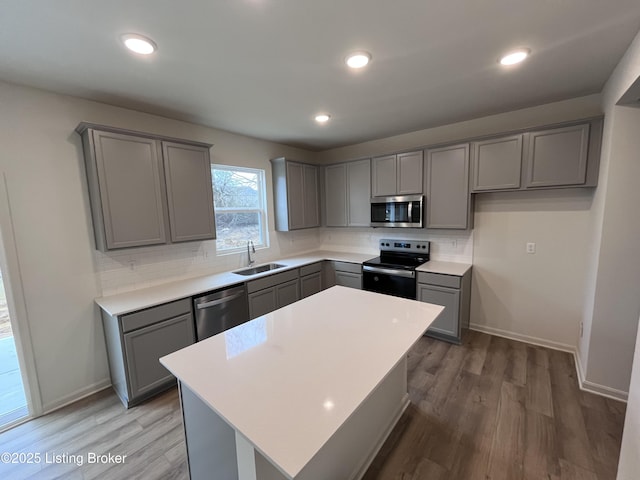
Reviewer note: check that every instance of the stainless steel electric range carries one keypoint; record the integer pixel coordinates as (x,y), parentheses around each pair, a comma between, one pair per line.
(394,271)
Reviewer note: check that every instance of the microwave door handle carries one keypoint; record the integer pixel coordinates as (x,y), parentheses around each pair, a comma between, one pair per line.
(409,210)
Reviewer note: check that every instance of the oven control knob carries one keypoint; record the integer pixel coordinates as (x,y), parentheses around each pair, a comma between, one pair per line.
(376,279)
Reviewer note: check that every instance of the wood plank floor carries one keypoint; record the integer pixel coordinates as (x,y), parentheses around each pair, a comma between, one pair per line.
(489,409)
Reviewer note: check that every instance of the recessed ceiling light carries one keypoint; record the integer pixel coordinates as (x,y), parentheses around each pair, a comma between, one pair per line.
(514,57)
(323,117)
(358,59)
(139,44)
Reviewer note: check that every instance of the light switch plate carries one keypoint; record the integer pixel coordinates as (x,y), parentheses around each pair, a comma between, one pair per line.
(531,247)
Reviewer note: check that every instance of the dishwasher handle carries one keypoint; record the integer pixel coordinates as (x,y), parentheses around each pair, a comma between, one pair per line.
(213,303)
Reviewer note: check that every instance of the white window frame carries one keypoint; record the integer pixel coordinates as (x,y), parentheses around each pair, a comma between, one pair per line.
(261,209)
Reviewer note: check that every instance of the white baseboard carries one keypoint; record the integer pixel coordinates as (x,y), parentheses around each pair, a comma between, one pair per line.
(596,388)
(75,396)
(584,384)
(541,342)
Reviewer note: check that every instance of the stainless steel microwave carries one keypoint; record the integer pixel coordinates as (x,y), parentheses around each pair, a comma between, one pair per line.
(403,211)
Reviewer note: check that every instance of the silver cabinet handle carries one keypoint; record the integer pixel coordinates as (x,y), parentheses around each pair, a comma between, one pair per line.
(390,271)
(213,303)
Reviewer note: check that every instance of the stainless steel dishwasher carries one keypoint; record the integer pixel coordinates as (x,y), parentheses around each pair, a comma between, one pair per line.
(220,310)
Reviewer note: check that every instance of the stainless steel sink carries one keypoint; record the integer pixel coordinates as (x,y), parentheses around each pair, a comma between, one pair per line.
(259,269)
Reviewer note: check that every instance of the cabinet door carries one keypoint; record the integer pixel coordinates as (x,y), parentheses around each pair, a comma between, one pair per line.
(448,198)
(310,284)
(383,180)
(262,302)
(346,279)
(287,293)
(189,192)
(131,189)
(496,163)
(144,347)
(311,211)
(448,323)
(359,193)
(409,173)
(295,195)
(558,156)
(335,184)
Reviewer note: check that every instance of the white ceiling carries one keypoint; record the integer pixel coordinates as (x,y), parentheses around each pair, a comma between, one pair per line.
(265,67)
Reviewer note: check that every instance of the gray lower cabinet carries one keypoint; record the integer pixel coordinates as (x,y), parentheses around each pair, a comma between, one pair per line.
(145,189)
(287,293)
(496,164)
(310,279)
(448,202)
(269,293)
(262,302)
(135,343)
(453,293)
(296,195)
(348,194)
(346,274)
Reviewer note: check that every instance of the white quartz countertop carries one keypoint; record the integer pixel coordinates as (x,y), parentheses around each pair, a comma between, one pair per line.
(289,379)
(149,297)
(446,268)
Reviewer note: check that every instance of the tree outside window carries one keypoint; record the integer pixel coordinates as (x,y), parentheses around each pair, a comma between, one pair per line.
(240,207)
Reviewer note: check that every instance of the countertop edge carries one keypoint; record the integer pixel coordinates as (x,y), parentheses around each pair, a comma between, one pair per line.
(148,297)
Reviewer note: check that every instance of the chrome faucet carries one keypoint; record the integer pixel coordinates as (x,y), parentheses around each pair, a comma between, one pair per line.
(250,248)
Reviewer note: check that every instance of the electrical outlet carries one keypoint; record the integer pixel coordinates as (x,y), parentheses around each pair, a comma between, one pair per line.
(454,243)
(132,264)
(531,247)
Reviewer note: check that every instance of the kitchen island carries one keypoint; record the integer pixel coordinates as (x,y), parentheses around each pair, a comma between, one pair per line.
(310,391)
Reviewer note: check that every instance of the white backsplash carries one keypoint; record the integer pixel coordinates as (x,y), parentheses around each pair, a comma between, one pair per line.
(448,246)
(131,269)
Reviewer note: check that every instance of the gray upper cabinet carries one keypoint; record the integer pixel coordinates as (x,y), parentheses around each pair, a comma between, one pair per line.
(127,196)
(558,156)
(496,164)
(410,173)
(295,192)
(335,184)
(562,156)
(399,174)
(146,190)
(311,196)
(348,191)
(448,199)
(359,193)
(189,195)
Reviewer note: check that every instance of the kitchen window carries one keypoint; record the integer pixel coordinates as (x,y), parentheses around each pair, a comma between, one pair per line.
(239,198)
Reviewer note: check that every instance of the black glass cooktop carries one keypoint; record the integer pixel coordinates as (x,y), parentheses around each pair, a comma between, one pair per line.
(398,261)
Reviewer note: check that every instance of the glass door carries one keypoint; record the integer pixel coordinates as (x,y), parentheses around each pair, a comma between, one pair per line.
(13,403)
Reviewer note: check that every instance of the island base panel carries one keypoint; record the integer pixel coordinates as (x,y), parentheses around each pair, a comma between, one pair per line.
(214,446)
(211,445)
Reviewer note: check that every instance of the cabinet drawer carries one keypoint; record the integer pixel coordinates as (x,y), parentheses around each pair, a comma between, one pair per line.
(133,321)
(309,269)
(271,280)
(347,267)
(452,281)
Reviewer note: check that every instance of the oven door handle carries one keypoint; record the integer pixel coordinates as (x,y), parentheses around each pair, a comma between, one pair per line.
(389,271)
